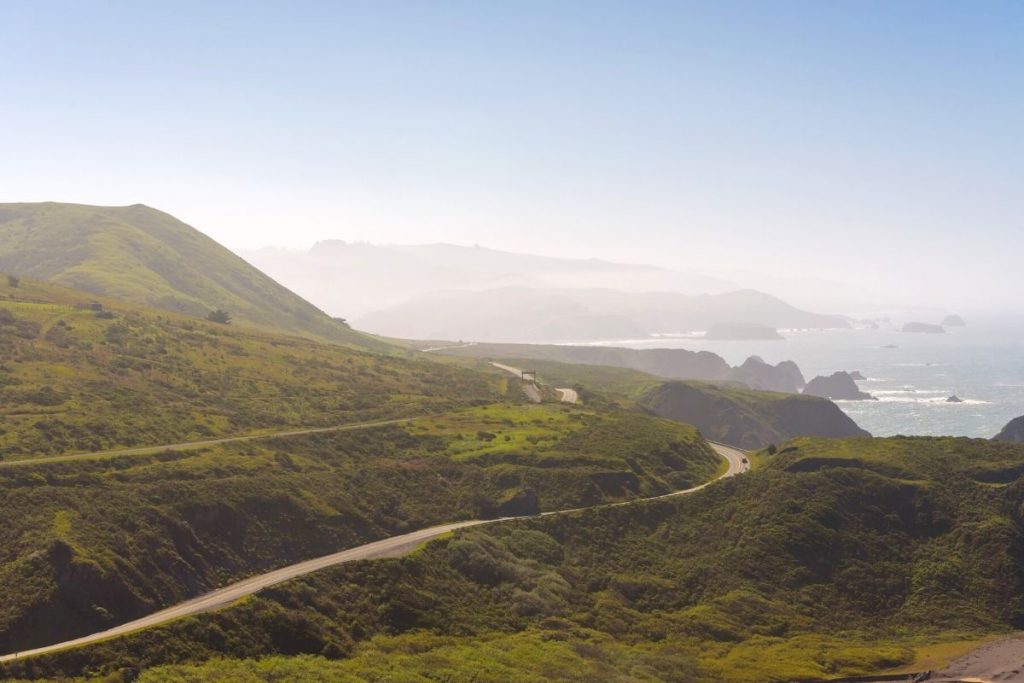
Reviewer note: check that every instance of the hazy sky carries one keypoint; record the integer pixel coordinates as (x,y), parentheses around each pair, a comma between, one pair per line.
(876,142)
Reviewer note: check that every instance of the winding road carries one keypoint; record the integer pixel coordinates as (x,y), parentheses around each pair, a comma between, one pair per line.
(394,546)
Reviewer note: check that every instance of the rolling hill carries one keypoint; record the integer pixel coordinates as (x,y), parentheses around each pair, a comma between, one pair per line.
(145,256)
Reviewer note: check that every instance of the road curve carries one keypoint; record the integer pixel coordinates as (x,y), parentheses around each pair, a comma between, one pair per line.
(568,395)
(564,395)
(529,388)
(394,546)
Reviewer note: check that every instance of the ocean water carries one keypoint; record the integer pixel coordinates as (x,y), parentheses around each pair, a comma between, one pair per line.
(984,365)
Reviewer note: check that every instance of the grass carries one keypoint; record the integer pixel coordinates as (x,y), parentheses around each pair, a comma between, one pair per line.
(72,381)
(934,656)
(143,532)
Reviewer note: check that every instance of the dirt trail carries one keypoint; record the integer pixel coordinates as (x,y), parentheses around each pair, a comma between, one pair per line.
(191,445)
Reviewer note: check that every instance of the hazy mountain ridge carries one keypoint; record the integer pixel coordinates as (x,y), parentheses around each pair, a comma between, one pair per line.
(520,314)
(143,255)
(388,275)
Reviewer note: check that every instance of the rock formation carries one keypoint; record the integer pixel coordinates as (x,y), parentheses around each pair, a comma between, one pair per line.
(839,386)
(1013,432)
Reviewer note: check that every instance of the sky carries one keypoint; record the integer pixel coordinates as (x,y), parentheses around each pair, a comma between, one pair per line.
(869,142)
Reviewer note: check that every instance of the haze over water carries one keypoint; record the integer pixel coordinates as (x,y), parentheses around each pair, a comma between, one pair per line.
(982,364)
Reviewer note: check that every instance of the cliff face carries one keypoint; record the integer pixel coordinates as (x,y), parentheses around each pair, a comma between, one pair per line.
(838,386)
(748,419)
(1013,432)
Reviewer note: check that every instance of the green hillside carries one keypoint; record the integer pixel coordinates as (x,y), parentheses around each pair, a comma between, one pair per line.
(88,544)
(831,558)
(95,541)
(145,256)
(76,380)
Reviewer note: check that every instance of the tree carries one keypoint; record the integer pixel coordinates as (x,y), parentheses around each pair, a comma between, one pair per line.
(219,316)
(13,281)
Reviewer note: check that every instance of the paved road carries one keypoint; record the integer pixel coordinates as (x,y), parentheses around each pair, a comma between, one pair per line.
(388,547)
(1001,660)
(530,388)
(191,445)
(568,395)
(564,395)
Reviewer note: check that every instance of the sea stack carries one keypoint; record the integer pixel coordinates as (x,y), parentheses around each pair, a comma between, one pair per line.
(839,386)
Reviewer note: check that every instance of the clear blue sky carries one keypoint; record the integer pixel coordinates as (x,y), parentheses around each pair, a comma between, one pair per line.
(865,141)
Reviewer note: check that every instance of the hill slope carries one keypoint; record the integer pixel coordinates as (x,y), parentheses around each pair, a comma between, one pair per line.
(73,379)
(89,542)
(830,558)
(145,256)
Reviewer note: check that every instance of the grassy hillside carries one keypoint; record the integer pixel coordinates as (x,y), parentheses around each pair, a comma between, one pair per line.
(145,256)
(74,380)
(834,557)
(745,418)
(91,543)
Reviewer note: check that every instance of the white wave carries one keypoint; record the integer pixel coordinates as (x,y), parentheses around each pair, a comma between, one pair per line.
(910,391)
(937,400)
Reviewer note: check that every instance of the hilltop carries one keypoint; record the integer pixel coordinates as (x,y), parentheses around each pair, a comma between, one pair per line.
(146,256)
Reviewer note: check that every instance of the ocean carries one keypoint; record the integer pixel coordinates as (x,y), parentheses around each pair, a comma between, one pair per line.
(982,364)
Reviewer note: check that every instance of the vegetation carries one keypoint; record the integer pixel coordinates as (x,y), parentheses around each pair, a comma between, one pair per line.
(834,557)
(219,316)
(145,256)
(88,544)
(80,375)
